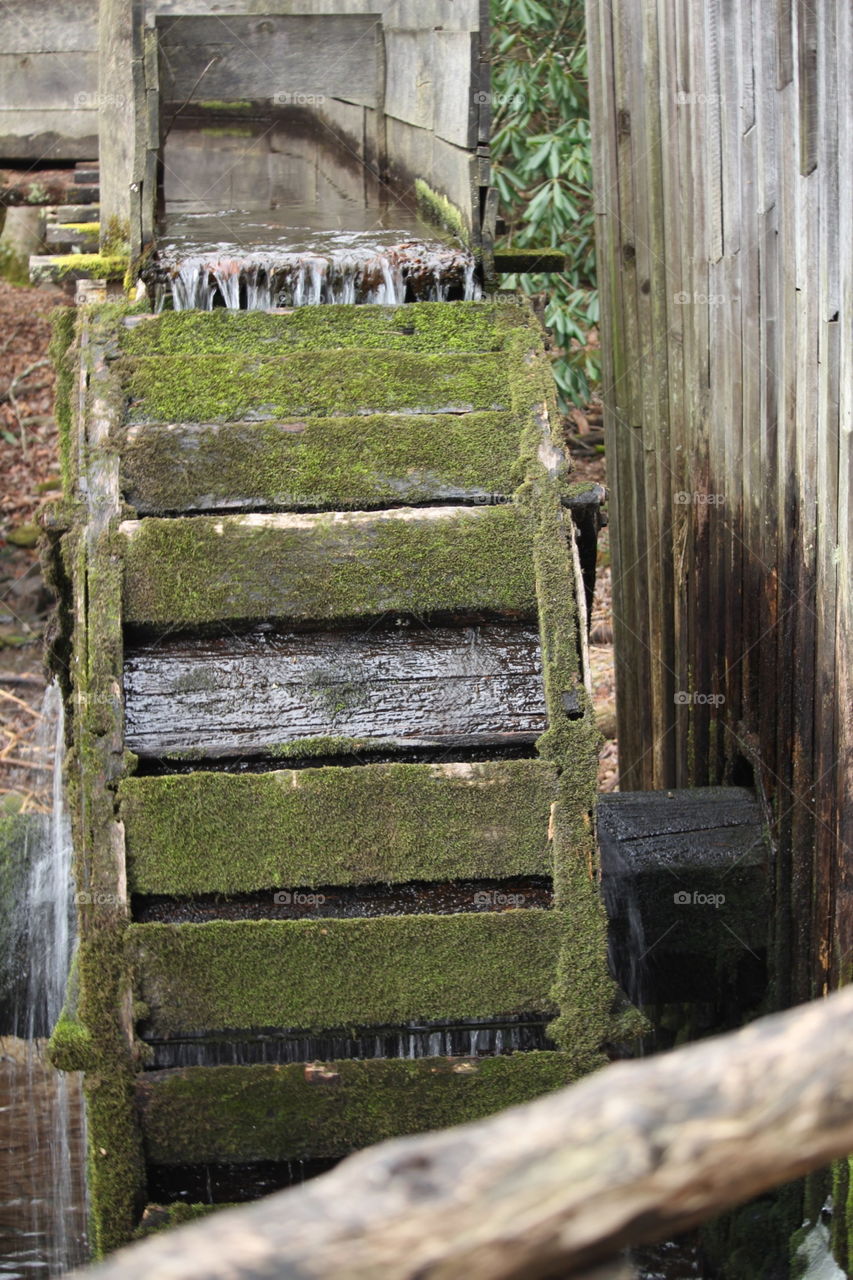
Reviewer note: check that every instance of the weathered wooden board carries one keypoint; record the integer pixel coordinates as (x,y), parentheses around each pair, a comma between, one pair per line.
(313,463)
(269,56)
(237,695)
(728,492)
(431,82)
(48,135)
(49,26)
(456,86)
(451,15)
(50,81)
(378,823)
(327,567)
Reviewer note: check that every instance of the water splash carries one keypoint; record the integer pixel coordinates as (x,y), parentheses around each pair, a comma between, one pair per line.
(44,1214)
(262,280)
(474,1038)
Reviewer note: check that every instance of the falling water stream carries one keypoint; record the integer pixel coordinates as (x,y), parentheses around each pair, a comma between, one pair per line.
(258,217)
(42,1180)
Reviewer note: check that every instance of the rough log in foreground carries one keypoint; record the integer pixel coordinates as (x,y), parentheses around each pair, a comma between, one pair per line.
(629,1155)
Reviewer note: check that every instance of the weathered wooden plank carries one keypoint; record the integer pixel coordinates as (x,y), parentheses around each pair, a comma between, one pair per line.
(652,306)
(685,876)
(268,56)
(641,815)
(623,422)
(312,974)
(292,1112)
(380,823)
(49,26)
(333,463)
(456,86)
(336,565)
(807,84)
(841,927)
(455,15)
(54,81)
(832,219)
(31,134)
(675,64)
(238,695)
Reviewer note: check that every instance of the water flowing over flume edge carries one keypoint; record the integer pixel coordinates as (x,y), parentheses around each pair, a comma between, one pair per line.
(261,280)
(42,1179)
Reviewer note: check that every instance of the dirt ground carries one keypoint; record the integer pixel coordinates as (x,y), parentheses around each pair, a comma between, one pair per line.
(30,480)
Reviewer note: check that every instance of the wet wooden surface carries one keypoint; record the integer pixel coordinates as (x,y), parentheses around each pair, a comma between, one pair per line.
(239,694)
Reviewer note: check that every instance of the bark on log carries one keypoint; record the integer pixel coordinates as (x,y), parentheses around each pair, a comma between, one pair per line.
(632,1154)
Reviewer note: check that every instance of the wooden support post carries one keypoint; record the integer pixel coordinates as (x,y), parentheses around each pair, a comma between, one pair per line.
(122,114)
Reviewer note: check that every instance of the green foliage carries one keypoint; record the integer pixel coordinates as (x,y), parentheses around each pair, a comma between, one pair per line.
(543,168)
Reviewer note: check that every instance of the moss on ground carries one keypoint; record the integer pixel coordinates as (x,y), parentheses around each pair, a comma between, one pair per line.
(321,462)
(227,389)
(325,567)
(244,1114)
(230,833)
(426,327)
(315,974)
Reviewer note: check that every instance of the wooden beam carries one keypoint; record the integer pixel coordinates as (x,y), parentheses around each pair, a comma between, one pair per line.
(635,1153)
(120,113)
(529,261)
(409,682)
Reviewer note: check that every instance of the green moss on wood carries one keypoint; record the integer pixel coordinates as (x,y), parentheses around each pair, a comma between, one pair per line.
(92,266)
(63,325)
(427,327)
(324,567)
(217,104)
(226,833)
(438,209)
(70,1047)
(115,1161)
(244,1114)
(320,462)
(227,389)
(332,973)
